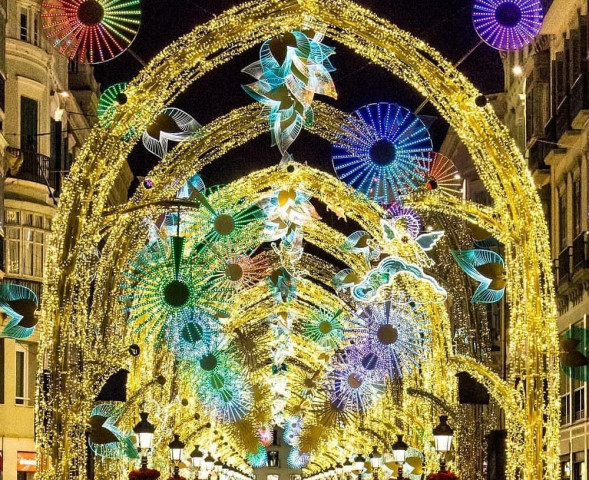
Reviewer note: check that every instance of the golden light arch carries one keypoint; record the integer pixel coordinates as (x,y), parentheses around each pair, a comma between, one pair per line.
(79,224)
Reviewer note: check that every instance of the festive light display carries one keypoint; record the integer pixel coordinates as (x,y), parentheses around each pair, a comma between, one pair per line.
(486,267)
(573,354)
(18,304)
(324,328)
(91,31)
(171,125)
(390,338)
(407,218)
(297,459)
(108,102)
(507,24)
(293,67)
(440,173)
(82,214)
(258,459)
(105,439)
(361,242)
(377,151)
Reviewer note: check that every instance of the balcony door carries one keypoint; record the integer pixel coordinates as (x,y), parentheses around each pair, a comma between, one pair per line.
(29,121)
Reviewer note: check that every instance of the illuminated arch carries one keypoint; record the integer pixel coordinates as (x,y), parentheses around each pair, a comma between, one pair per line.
(79,224)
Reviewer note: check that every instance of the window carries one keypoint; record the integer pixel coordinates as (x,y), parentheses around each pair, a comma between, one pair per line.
(36,30)
(565,469)
(22,376)
(579,471)
(25,245)
(29,113)
(562,219)
(576,207)
(565,409)
(579,403)
(1,375)
(273,459)
(24,25)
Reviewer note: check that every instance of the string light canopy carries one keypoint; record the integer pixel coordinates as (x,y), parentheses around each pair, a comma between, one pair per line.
(378,149)
(91,31)
(507,24)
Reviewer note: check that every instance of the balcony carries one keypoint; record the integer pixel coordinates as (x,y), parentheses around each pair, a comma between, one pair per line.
(35,167)
(580,258)
(575,101)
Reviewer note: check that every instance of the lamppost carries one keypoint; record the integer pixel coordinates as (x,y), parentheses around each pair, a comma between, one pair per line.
(209,463)
(218,468)
(197,459)
(348,467)
(359,465)
(339,471)
(400,454)
(443,434)
(176,447)
(144,431)
(375,458)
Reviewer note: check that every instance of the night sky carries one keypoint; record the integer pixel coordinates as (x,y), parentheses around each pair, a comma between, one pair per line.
(445,24)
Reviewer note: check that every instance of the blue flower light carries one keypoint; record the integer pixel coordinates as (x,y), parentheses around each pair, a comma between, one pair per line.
(507,24)
(379,149)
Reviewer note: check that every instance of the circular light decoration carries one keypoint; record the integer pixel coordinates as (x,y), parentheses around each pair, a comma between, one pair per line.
(258,459)
(91,31)
(190,334)
(297,459)
(171,125)
(377,149)
(507,24)
(108,102)
(324,328)
(389,338)
(407,218)
(266,435)
(441,173)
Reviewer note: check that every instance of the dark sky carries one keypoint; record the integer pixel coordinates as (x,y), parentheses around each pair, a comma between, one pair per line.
(445,24)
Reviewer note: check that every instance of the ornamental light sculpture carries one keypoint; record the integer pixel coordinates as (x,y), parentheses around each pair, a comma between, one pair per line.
(443,434)
(400,454)
(144,434)
(176,447)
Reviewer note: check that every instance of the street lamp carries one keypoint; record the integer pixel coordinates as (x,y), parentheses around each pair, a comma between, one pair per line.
(339,470)
(375,458)
(348,466)
(209,462)
(359,465)
(400,454)
(443,434)
(176,447)
(144,431)
(197,459)
(218,467)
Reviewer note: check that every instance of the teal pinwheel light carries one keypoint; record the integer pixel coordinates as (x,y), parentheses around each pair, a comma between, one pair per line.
(19,304)
(258,459)
(380,151)
(293,67)
(105,438)
(487,268)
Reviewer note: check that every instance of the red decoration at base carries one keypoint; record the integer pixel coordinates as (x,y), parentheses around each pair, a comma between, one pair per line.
(442,476)
(144,474)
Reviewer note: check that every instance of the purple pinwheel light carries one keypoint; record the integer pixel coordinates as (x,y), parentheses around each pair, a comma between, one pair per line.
(507,24)
(407,217)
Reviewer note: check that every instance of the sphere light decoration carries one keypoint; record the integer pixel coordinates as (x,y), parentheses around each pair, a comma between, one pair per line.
(507,24)
(91,31)
(377,151)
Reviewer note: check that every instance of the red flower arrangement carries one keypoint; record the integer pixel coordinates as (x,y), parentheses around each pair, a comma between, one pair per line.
(442,476)
(144,474)
(176,478)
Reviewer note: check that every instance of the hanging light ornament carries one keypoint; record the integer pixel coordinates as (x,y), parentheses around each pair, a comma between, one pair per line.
(18,304)
(293,67)
(105,438)
(91,31)
(108,102)
(507,24)
(441,173)
(171,125)
(486,267)
(378,149)
(389,338)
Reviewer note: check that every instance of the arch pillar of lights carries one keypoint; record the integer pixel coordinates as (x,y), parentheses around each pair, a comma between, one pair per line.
(78,226)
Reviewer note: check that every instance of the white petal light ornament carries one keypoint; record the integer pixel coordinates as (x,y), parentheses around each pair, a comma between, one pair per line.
(171,125)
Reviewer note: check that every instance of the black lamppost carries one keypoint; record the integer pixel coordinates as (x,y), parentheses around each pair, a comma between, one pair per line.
(176,447)
(359,465)
(144,431)
(443,434)
(197,460)
(348,467)
(400,454)
(375,458)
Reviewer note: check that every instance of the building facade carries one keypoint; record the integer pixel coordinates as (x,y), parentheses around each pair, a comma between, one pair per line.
(47,108)
(546,107)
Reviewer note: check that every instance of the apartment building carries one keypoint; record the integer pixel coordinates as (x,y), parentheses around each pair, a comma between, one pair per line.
(47,108)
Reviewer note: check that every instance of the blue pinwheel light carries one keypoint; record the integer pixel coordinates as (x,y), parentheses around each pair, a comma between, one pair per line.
(379,149)
(507,24)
